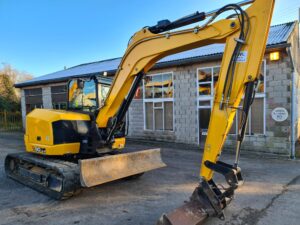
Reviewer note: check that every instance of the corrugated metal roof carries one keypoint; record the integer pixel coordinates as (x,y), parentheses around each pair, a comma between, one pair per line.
(279,34)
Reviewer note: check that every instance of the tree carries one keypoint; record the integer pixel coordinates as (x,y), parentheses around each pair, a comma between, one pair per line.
(9,96)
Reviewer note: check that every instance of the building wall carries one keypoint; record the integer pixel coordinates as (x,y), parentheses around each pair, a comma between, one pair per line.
(276,138)
(46,98)
(295,57)
(23,108)
(278,94)
(185,116)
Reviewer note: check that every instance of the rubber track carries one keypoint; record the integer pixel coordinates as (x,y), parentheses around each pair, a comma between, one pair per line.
(67,170)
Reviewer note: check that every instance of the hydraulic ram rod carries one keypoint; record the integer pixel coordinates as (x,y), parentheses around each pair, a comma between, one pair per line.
(242,3)
(166,25)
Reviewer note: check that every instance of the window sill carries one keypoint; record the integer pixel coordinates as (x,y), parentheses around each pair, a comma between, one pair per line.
(159,131)
(248,135)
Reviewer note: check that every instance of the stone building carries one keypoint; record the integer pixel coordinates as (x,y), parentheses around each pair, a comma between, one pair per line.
(173,103)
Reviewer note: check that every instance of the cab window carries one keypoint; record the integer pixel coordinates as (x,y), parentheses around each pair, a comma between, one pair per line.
(102,91)
(82,95)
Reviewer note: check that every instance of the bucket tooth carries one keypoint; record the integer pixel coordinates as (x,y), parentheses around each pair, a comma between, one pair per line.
(101,170)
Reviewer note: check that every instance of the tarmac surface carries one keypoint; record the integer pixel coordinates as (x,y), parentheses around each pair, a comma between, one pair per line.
(270,195)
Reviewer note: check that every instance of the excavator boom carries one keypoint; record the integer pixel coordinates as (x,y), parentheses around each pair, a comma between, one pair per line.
(245,35)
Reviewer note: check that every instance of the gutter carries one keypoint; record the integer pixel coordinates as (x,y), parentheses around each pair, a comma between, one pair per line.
(106,80)
(293,106)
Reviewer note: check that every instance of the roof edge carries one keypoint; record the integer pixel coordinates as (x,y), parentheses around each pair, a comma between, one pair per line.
(159,65)
(291,30)
(58,80)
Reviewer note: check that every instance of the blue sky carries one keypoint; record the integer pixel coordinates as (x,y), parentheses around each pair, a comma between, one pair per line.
(43,36)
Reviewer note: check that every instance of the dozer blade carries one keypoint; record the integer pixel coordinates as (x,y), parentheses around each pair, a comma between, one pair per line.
(108,168)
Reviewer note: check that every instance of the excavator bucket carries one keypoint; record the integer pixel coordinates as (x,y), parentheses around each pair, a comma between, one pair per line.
(188,214)
(200,206)
(101,170)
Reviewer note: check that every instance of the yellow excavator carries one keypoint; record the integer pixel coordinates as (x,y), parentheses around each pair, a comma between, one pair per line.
(66,150)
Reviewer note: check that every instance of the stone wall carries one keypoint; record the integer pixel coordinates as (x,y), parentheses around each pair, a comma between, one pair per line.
(185,127)
(47,100)
(23,108)
(278,94)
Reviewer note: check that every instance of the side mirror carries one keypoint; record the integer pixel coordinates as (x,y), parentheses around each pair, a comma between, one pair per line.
(80,84)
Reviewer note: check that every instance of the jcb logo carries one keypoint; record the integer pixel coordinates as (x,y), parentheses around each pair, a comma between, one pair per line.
(39,150)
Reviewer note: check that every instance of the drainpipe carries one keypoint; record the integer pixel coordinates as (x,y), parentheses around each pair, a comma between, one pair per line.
(293,106)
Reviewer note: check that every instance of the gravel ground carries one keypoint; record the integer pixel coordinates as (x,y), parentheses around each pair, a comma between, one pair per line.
(270,195)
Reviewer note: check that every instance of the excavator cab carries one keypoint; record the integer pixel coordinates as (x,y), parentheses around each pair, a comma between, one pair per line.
(87,94)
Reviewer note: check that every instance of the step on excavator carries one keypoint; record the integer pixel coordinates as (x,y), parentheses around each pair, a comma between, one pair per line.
(80,146)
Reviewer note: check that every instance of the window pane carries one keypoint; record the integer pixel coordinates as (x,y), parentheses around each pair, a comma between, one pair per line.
(89,94)
(33,91)
(168,115)
(55,106)
(157,86)
(34,99)
(205,89)
(59,89)
(148,87)
(204,75)
(139,92)
(261,87)
(167,84)
(62,97)
(63,105)
(158,117)
(102,93)
(233,127)
(158,105)
(82,95)
(239,119)
(205,80)
(204,103)
(216,72)
(204,116)
(149,116)
(257,116)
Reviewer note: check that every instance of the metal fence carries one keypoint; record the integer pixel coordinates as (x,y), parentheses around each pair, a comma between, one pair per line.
(10,121)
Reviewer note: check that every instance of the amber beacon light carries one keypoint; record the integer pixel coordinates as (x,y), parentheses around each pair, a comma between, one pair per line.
(274,56)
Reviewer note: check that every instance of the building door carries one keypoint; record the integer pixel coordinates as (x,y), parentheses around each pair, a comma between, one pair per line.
(203,119)
(206,82)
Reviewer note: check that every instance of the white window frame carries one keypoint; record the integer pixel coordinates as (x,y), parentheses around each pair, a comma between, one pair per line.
(257,95)
(59,104)
(205,97)
(211,97)
(156,100)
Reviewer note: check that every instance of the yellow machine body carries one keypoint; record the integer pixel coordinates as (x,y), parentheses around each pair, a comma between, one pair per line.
(39,135)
